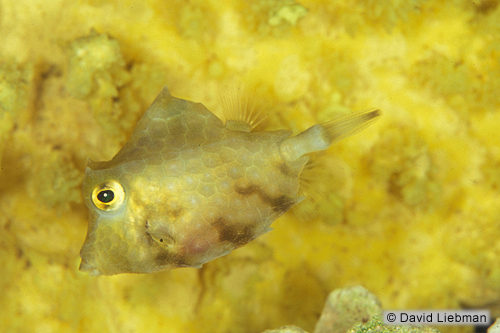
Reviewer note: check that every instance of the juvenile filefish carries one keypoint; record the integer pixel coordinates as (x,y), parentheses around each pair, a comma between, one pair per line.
(187,188)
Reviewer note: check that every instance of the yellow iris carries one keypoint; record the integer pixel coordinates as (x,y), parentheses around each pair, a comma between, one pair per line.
(108,195)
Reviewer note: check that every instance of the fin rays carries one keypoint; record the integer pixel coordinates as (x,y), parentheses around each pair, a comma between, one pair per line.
(240,113)
(350,124)
(322,136)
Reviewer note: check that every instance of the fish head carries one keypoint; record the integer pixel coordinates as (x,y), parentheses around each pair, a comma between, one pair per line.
(124,231)
(144,218)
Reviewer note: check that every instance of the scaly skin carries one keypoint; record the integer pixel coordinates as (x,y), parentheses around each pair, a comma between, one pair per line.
(194,190)
(186,189)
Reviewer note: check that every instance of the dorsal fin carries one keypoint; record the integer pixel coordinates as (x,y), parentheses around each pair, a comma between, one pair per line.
(241,113)
(169,125)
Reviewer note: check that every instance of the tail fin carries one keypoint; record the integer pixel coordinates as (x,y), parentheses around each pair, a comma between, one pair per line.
(350,124)
(322,136)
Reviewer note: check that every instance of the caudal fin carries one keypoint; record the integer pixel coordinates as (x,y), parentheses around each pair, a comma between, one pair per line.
(350,124)
(322,136)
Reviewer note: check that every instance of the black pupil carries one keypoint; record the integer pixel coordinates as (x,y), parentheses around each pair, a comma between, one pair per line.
(106,196)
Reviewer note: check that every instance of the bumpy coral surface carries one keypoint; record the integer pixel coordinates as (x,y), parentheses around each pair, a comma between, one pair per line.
(409,208)
(376,325)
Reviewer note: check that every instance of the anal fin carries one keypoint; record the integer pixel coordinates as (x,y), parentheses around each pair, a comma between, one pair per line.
(326,186)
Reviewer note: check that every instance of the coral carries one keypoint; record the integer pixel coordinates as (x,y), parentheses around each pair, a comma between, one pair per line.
(465,86)
(490,169)
(15,85)
(196,21)
(273,16)
(495,328)
(358,17)
(286,329)
(252,276)
(347,307)
(411,213)
(297,78)
(61,182)
(402,160)
(477,252)
(353,310)
(289,13)
(376,325)
(96,67)
(96,71)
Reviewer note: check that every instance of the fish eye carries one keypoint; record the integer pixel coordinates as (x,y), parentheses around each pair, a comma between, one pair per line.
(108,195)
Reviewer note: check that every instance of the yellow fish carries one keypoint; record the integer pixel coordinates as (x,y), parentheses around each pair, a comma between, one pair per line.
(187,188)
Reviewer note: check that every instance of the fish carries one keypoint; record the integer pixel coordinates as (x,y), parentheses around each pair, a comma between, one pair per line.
(188,188)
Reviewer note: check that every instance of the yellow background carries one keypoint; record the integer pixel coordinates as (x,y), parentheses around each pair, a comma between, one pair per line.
(409,208)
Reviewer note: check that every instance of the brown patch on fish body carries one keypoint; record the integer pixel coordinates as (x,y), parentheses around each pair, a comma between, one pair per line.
(237,235)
